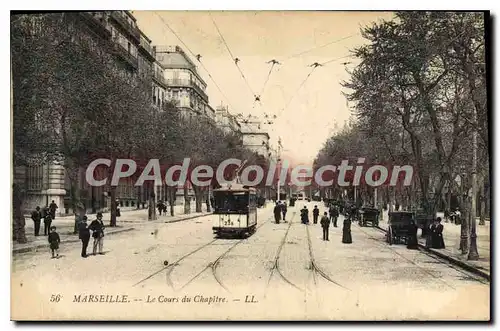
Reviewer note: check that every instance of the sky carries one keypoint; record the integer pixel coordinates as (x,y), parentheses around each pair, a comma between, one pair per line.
(308,109)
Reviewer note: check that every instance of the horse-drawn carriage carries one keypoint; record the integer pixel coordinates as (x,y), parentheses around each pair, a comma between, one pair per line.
(368,215)
(400,224)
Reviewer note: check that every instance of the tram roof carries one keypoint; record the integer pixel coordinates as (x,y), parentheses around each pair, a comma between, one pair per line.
(235,187)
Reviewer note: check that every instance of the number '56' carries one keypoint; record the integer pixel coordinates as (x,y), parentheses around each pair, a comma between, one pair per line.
(55,298)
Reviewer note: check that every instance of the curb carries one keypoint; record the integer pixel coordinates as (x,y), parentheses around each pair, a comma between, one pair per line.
(455,261)
(188,218)
(39,246)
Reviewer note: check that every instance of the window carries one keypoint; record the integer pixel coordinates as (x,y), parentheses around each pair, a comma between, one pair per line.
(35,178)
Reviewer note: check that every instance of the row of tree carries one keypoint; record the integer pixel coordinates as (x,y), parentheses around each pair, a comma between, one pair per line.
(73,102)
(419,98)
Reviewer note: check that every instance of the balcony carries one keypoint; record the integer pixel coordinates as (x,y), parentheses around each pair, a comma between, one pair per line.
(158,77)
(187,83)
(119,17)
(98,22)
(146,48)
(126,56)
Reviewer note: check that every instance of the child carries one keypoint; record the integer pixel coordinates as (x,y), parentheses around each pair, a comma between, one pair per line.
(54,241)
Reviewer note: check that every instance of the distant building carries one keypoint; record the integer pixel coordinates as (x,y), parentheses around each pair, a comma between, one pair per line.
(255,137)
(226,121)
(185,87)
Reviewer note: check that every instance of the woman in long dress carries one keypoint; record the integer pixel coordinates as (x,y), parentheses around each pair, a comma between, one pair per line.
(346,232)
(412,236)
(429,235)
(437,235)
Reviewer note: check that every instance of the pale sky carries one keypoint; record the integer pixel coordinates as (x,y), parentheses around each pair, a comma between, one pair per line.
(258,37)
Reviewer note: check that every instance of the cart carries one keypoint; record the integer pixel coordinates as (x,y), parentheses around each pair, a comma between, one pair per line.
(399,226)
(369,215)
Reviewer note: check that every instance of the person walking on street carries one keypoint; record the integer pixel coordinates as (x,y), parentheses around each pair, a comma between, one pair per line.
(36,216)
(346,232)
(84,235)
(334,214)
(97,227)
(52,209)
(47,221)
(437,235)
(54,241)
(412,242)
(277,213)
(283,210)
(325,224)
(429,234)
(315,214)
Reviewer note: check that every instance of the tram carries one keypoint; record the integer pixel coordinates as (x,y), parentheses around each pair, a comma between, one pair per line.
(236,210)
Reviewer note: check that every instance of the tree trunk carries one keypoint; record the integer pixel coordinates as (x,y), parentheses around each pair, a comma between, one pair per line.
(114,206)
(19,222)
(187,201)
(77,205)
(152,205)
(171,199)
(198,193)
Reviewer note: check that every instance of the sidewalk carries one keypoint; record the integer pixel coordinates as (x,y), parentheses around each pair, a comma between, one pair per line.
(451,236)
(128,221)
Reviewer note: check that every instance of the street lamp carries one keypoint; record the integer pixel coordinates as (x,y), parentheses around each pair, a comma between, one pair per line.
(464,238)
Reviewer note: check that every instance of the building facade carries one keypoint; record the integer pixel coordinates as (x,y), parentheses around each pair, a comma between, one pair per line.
(226,121)
(185,87)
(255,137)
(134,57)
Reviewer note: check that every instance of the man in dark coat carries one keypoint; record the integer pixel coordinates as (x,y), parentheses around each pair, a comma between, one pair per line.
(47,221)
(284,210)
(36,216)
(84,235)
(304,215)
(97,227)
(325,224)
(315,214)
(277,213)
(52,209)
(334,214)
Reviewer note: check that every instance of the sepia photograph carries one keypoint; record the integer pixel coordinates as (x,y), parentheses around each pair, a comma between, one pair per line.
(250,165)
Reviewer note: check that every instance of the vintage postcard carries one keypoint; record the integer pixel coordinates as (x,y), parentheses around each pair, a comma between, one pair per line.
(250,165)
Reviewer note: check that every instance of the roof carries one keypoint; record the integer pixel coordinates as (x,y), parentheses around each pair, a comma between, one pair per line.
(234,187)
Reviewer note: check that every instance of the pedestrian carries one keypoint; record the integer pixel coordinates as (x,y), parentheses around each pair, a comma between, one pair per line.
(315,214)
(429,233)
(36,216)
(283,210)
(97,227)
(160,207)
(412,241)
(346,232)
(52,209)
(446,215)
(54,241)
(84,235)
(47,221)
(325,224)
(304,215)
(277,213)
(334,216)
(437,235)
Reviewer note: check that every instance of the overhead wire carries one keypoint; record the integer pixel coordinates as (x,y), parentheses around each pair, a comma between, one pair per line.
(198,58)
(320,46)
(235,59)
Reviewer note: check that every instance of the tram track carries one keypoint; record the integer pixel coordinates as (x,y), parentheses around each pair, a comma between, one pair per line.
(213,265)
(276,266)
(315,269)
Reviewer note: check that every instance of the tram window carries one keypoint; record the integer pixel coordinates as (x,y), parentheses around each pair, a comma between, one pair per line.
(231,202)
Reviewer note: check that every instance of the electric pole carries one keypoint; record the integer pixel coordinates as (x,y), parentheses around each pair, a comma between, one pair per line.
(279,173)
